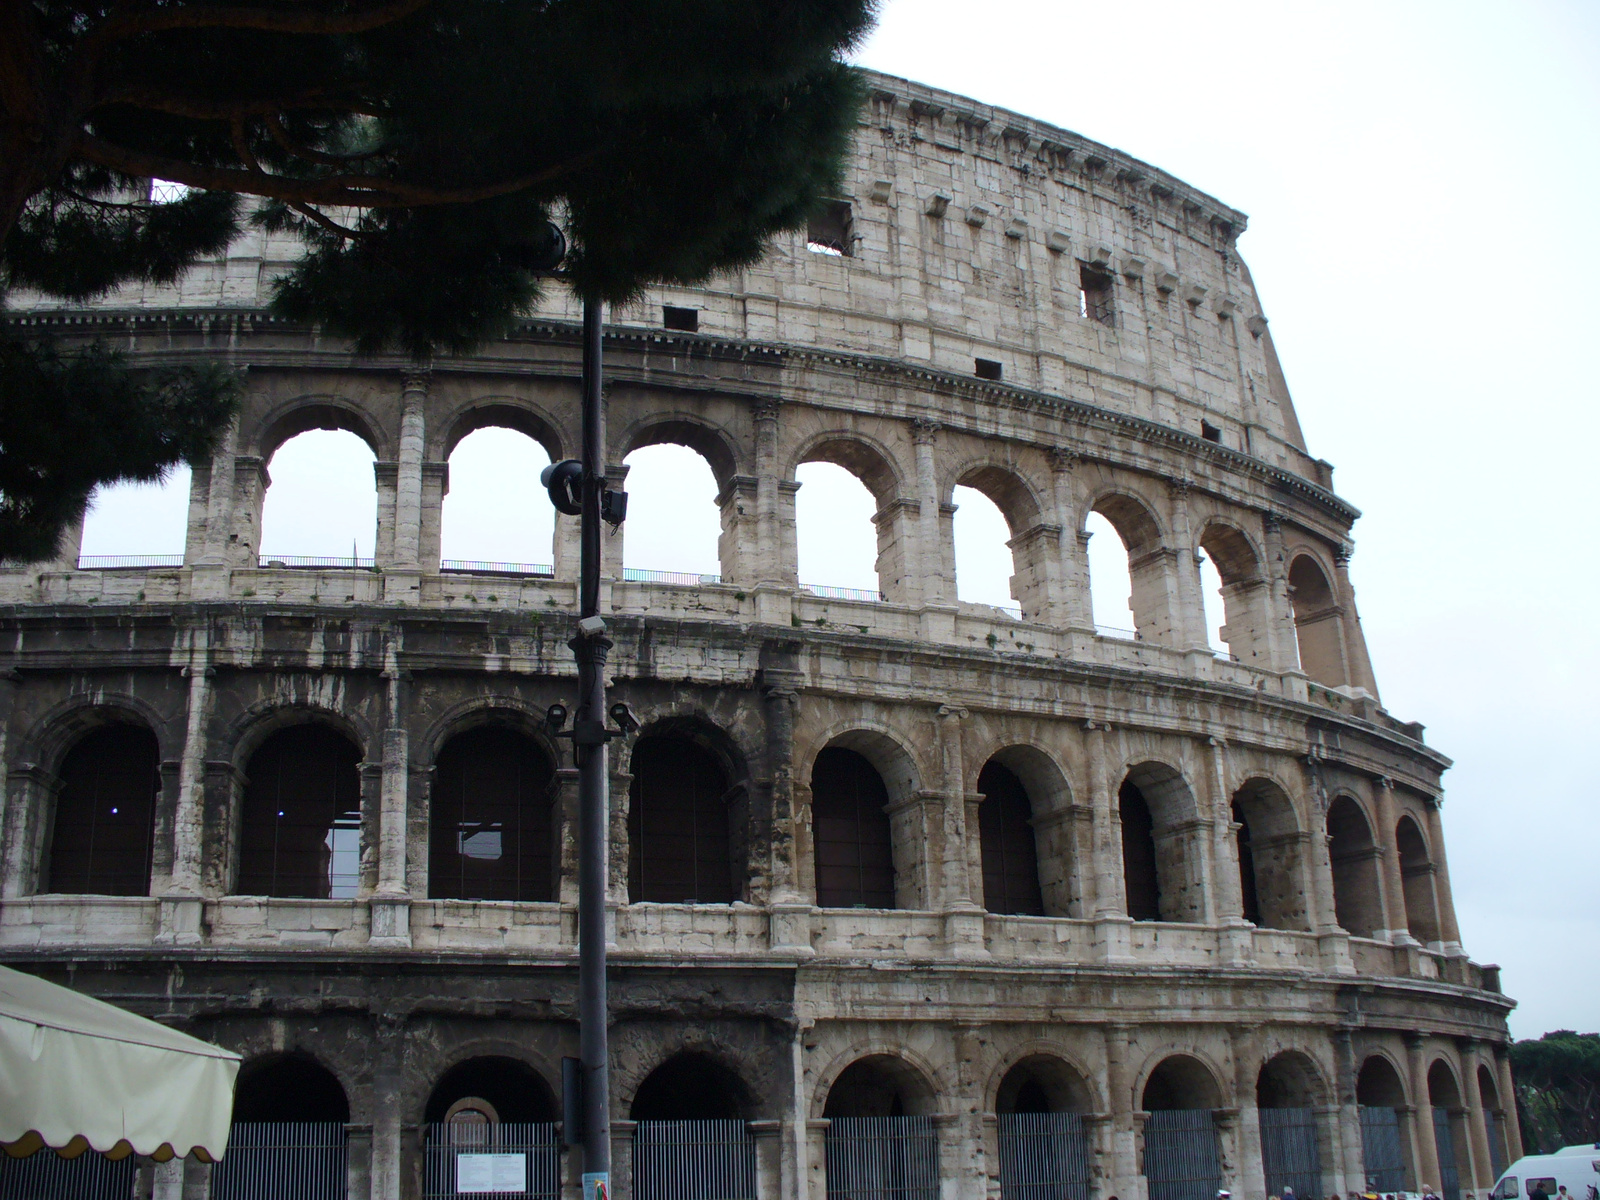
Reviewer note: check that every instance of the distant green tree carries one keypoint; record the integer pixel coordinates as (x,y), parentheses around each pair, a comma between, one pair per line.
(1558,1090)
(420,148)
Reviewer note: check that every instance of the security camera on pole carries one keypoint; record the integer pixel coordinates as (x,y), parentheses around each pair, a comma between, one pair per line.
(578,488)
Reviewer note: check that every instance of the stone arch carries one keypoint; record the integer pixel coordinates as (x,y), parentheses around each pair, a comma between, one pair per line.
(1182,1079)
(1053,822)
(510,1088)
(1444,1083)
(1034,547)
(693,1084)
(1417,872)
(1381,1082)
(1318,620)
(865,839)
(53,734)
(865,457)
(1384,1106)
(1272,851)
(901,562)
(103,799)
(306,413)
(1246,593)
(1061,1081)
(288,1087)
(711,441)
(1152,575)
(252,727)
(1291,1091)
(1452,1140)
(877,1082)
(510,711)
(688,814)
(1163,844)
(1291,1079)
(1008,847)
(498,412)
(1355,857)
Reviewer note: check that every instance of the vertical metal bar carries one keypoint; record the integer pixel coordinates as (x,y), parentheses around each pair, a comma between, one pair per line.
(593,824)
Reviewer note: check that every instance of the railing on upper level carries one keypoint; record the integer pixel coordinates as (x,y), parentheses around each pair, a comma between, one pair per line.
(121,562)
(681,578)
(477,567)
(348,562)
(842,593)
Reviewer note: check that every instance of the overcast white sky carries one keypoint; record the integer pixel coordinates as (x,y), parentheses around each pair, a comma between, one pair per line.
(1421,179)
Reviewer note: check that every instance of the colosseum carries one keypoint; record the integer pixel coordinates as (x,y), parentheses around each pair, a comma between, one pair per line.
(910,897)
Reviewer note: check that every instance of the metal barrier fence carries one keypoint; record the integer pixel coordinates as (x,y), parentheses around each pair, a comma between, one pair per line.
(45,1175)
(1043,1156)
(842,593)
(475,567)
(301,561)
(1444,1139)
(693,1160)
(685,578)
(514,1160)
(283,1160)
(1181,1159)
(1289,1154)
(113,562)
(882,1158)
(1384,1161)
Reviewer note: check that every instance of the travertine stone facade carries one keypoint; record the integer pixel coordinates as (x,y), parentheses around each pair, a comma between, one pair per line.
(972,234)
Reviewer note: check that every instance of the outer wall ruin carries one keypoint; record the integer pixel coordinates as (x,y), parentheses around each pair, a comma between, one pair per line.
(1007,306)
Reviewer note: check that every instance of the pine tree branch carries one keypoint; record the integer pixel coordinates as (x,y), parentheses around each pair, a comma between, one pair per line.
(327,222)
(200,109)
(354,191)
(281,135)
(151,19)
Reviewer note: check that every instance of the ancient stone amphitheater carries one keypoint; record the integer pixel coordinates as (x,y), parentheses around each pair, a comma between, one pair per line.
(913,897)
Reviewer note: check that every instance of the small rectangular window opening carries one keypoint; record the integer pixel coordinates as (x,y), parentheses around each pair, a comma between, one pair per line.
(829,231)
(686,320)
(1210,432)
(1094,295)
(986,368)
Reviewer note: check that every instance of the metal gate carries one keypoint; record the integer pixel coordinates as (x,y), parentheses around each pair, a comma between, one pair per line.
(693,1160)
(1449,1181)
(1497,1145)
(1181,1159)
(1043,1156)
(515,1160)
(282,1160)
(1380,1149)
(1289,1154)
(45,1175)
(882,1158)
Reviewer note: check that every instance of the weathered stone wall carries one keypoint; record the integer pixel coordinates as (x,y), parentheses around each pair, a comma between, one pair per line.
(868,361)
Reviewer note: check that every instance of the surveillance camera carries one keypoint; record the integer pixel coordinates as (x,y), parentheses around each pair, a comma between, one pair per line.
(556,715)
(564,481)
(623,716)
(592,626)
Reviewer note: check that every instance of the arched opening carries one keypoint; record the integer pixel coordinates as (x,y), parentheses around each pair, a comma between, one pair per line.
(853,848)
(673,530)
(1010,857)
(1270,845)
(983,558)
(289,1130)
(1494,1127)
(145,519)
(679,848)
(1060,829)
(1357,901)
(1231,572)
(1161,868)
(1213,610)
(1137,538)
(1182,1158)
(691,1141)
(103,834)
(300,832)
(1110,586)
(322,501)
(1416,875)
(494,514)
(1288,1091)
(492,818)
(880,1139)
(1449,1131)
(1044,1145)
(1381,1098)
(489,1126)
(836,540)
(1318,634)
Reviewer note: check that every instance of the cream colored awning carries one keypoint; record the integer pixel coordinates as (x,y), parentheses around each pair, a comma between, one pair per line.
(78,1073)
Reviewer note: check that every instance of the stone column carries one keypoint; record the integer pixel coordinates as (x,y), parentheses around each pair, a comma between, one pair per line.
(934,586)
(790,920)
(1252,1171)
(1353,1159)
(768,1137)
(1282,642)
(738,546)
(1444,898)
(242,544)
(1125,1180)
(1113,926)
(9,680)
(970,1164)
(435,487)
(963,919)
(391,902)
(1189,631)
(566,819)
(1072,602)
(1394,888)
(388,1095)
(1508,1103)
(1358,665)
(402,583)
(1238,946)
(180,906)
(1427,1145)
(768,548)
(1477,1126)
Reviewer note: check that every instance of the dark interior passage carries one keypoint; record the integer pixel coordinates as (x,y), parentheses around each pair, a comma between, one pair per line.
(678,845)
(1010,858)
(1139,874)
(301,831)
(850,824)
(492,818)
(102,837)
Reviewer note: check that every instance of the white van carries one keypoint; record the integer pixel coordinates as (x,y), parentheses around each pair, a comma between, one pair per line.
(1576,1168)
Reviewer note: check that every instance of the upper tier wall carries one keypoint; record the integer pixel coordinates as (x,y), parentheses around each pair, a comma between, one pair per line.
(969,235)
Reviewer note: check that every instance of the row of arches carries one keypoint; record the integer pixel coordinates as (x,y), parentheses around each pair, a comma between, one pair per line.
(845,513)
(494,818)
